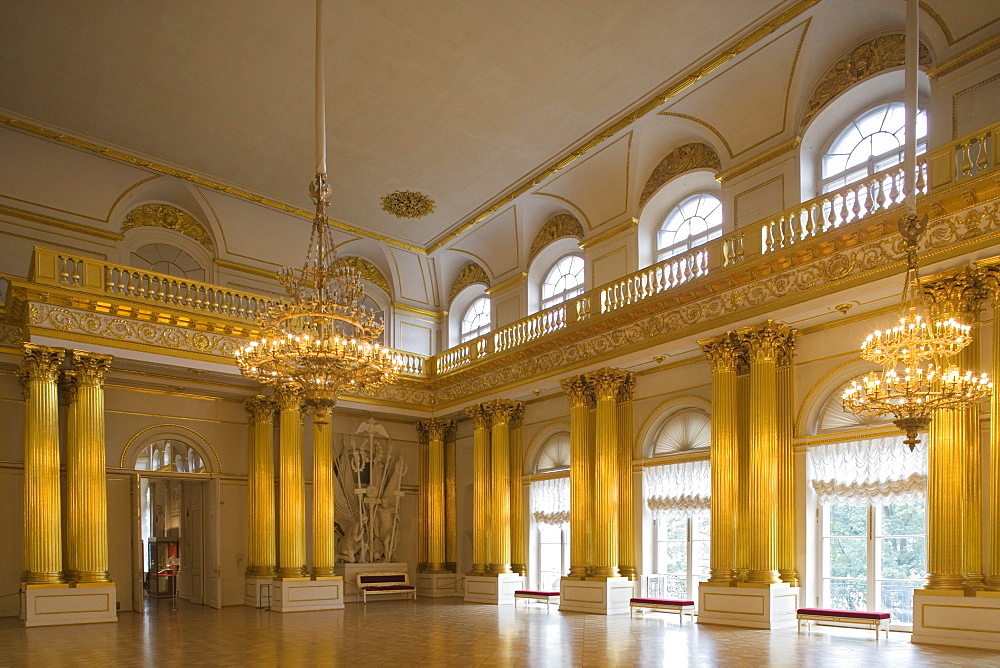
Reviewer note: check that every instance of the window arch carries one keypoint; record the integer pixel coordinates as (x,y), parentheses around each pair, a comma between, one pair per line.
(549,553)
(170,455)
(687,429)
(553,455)
(167,259)
(873,141)
(695,221)
(563,281)
(475,320)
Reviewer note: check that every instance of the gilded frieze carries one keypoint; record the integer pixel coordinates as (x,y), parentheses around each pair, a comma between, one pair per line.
(168,217)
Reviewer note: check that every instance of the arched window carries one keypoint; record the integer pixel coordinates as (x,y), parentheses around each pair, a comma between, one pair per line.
(172,456)
(687,429)
(696,220)
(476,319)
(564,281)
(166,259)
(870,143)
(550,514)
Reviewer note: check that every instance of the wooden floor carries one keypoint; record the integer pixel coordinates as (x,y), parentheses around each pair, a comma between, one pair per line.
(449,631)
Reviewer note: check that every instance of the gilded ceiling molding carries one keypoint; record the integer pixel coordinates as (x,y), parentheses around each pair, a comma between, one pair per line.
(973,53)
(471,273)
(872,57)
(759,159)
(366,270)
(171,218)
(558,226)
(682,159)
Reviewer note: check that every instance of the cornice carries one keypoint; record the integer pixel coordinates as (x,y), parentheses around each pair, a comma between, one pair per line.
(610,233)
(42,219)
(960,60)
(760,159)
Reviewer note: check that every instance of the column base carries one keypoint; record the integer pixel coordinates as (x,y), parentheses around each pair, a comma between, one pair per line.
(301,595)
(750,605)
(437,585)
(606,596)
(350,574)
(257,591)
(942,617)
(494,589)
(56,604)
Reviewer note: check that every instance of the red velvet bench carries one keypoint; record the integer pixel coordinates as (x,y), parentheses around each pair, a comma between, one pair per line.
(536,595)
(664,605)
(876,621)
(385,583)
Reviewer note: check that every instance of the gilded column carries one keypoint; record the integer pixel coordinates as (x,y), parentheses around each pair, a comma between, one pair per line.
(434,432)
(291,486)
(722,353)
(580,398)
(787,568)
(763,345)
(518,546)
(501,412)
(88,492)
(626,502)
(423,536)
(323,516)
(450,508)
(954,495)
(43,558)
(480,488)
(992,281)
(604,513)
(261,546)
(74,468)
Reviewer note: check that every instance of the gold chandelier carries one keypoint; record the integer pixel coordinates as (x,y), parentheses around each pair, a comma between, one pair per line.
(323,340)
(917,377)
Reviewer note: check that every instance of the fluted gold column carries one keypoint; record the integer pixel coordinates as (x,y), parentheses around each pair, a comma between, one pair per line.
(323,516)
(580,398)
(501,412)
(261,546)
(763,345)
(604,513)
(43,558)
(291,487)
(433,432)
(722,353)
(480,488)
(518,546)
(626,502)
(787,570)
(954,494)
(74,511)
(993,576)
(450,507)
(88,491)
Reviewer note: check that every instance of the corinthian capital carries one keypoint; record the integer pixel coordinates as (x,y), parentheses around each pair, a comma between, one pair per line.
(723,352)
(579,390)
(958,293)
(770,341)
(69,385)
(435,429)
(260,409)
(480,418)
(289,397)
(42,362)
(607,382)
(90,368)
(503,411)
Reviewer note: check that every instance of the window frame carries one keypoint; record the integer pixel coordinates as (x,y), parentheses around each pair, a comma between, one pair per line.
(692,241)
(565,295)
(466,336)
(690,577)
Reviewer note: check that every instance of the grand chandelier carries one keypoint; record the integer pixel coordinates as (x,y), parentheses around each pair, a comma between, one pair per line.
(918,375)
(323,339)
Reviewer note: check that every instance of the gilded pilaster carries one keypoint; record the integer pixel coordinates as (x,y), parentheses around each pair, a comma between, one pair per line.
(43,558)
(450,507)
(722,353)
(480,488)
(501,413)
(763,344)
(323,516)
(423,535)
(787,569)
(67,383)
(261,544)
(606,384)
(626,502)
(87,488)
(992,581)
(434,432)
(581,397)
(518,545)
(291,486)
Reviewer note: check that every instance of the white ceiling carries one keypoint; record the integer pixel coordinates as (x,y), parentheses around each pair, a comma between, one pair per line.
(458,99)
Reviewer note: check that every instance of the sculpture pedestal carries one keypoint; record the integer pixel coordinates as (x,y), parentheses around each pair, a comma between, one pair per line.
(942,617)
(494,588)
(51,605)
(608,596)
(350,574)
(257,592)
(751,606)
(437,585)
(303,594)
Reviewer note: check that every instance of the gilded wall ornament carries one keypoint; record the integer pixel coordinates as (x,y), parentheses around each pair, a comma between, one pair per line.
(166,216)
(682,159)
(558,226)
(408,204)
(872,57)
(366,270)
(470,274)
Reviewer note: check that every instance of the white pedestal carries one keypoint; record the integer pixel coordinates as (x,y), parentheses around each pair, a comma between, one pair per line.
(294,595)
(257,592)
(350,575)
(51,605)
(437,585)
(948,618)
(768,607)
(495,589)
(599,597)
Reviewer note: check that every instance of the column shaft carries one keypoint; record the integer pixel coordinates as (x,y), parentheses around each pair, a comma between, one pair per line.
(518,546)
(480,489)
(261,545)
(451,521)
(626,500)
(606,383)
(786,477)
(423,507)
(291,494)
(501,413)
(323,516)
(580,397)
(993,578)
(433,433)
(74,468)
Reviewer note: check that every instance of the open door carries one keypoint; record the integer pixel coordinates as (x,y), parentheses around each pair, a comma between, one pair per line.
(191,581)
(213,545)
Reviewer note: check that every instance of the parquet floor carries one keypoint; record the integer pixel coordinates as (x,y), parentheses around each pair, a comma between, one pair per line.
(398,633)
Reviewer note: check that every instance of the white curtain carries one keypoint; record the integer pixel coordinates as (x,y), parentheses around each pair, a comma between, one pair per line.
(684,487)
(550,501)
(874,470)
